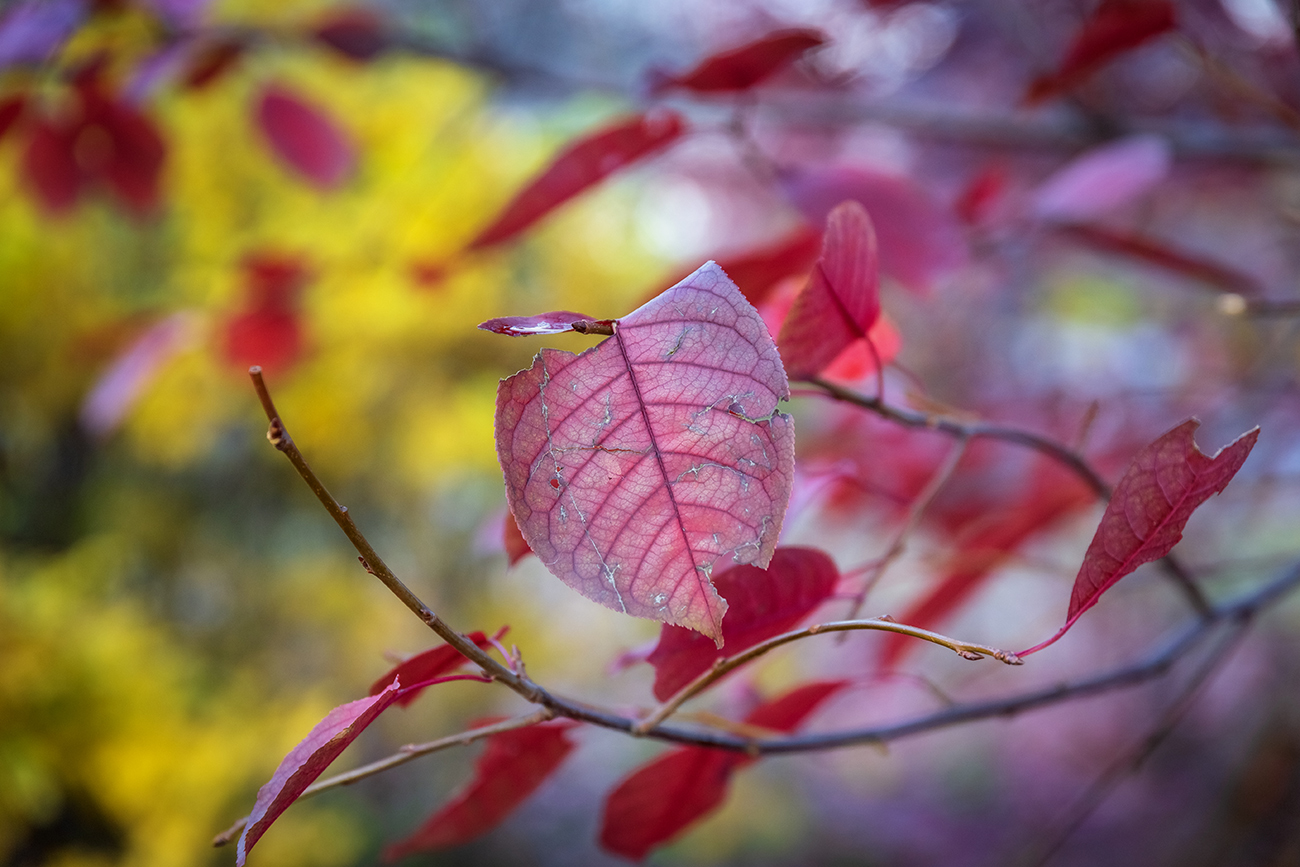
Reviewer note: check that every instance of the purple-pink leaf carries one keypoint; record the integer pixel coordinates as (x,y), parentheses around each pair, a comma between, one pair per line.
(305,137)
(1148,510)
(841,301)
(543,323)
(308,760)
(642,465)
(1103,179)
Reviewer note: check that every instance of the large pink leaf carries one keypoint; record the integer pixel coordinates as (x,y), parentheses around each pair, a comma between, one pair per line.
(842,299)
(582,164)
(659,800)
(305,137)
(427,665)
(742,68)
(1103,179)
(762,603)
(308,760)
(638,467)
(1148,510)
(514,764)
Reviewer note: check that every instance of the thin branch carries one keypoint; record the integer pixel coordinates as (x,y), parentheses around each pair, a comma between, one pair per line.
(725,666)
(401,757)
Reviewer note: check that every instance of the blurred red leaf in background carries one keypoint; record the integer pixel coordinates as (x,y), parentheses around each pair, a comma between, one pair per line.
(267,330)
(742,68)
(305,137)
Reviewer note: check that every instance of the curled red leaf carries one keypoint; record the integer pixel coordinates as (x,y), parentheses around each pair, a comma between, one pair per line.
(579,166)
(308,760)
(1148,510)
(762,603)
(514,765)
(742,68)
(557,322)
(841,301)
(305,137)
(427,665)
(642,465)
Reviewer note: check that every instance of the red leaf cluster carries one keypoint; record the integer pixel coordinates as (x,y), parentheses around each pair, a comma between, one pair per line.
(661,799)
(267,331)
(514,765)
(1115,27)
(741,68)
(305,137)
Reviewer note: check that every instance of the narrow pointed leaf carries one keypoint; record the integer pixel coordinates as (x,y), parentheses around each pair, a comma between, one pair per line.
(642,465)
(742,68)
(1157,253)
(762,603)
(427,665)
(1103,179)
(308,760)
(1166,482)
(579,166)
(305,137)
(1116,27)
(841,301)
(512,767)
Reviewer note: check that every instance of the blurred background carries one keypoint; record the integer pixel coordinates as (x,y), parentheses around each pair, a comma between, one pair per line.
(1088,219)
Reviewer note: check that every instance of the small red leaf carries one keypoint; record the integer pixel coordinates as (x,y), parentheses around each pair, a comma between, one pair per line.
(514,765)
(427,665)
(1148,510)
(11,109)
(268,330)
(1103,179)
(742,68)
(582,164)
(762,603)
(1155,252)
(308,760)
(357,32)
(659,800)
(515,544)
(543,323)
(638,467)
(1116,27)
(841,301)
(305,137)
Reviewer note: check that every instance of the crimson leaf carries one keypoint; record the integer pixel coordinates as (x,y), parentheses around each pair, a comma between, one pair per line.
(427,665)
(742,68)
(762,603)
(1148,510)
(512,767)
(308,760)
(305,137)
(638,467)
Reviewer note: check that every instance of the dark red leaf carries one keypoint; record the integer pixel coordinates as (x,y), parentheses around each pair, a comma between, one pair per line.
(51,168)
(305,137)
(1116,27)
(11,109)
(981,195)
(638,467)
(307,761)
(357,32)
(841,301)
(918,241)
(557,322)
(659,800)
(515,544)
(268,330)
(274,278)
(1155,252)
(132,161)
(1148,510)
(742,68)
(211,61)
(579,166)
(427,665)
(513,766)
(761,603)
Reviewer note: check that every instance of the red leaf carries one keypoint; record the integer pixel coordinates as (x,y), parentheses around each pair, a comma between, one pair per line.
(742,68)
(761,604)
(841,301)
(427,665)
(211,61)
(357,32)
(307,761)
(659,800)
(268,331)
(305,137)
(557,322)
(131,166)
(1155,252)
(982,194)
(758,271)
(514,765)
(582,164)
(1146,515)
(515,544)
(638,467)
(1103,179)
(1116,27)
(50,167)
(918,241)
(11,109)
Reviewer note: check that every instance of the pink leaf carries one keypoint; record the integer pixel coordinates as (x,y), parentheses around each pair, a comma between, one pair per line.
(1116,27)
(427,665)
(918,241)
(1166,482)
(514,765)
(31,31)
(742,68)
(638,467)
(761,604)
(305,137)
(662,798)
(842,299)
(579,166)
(543,323)
(308,760)
(119,387)
(1103,179)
